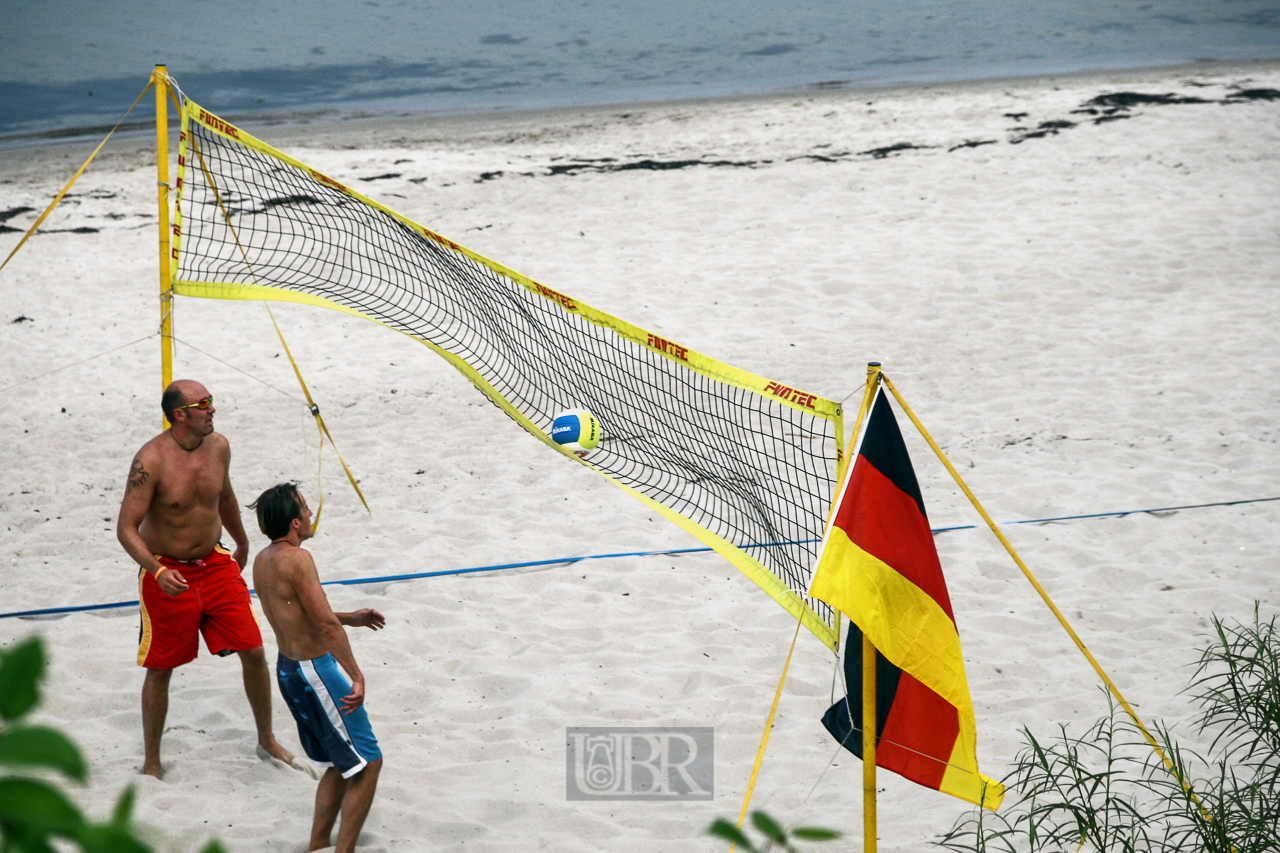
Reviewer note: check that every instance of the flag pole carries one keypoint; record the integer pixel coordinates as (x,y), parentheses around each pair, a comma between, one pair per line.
(160,77)
(868,652)
(868,744)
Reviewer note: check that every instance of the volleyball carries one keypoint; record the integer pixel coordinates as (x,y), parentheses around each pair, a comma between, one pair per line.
(576,430)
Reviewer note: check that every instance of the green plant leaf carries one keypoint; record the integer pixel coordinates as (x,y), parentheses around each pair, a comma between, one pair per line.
(38,807)
(20,671)
(723,829)
(123,809)
(109,838)
(770,827)
(39,746)
(24,843)
(815,833)
(213,847)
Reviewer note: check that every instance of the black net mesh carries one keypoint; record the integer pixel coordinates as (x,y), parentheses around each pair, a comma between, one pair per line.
(749,469)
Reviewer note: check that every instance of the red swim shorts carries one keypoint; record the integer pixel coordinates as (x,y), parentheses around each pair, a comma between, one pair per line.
(215,604)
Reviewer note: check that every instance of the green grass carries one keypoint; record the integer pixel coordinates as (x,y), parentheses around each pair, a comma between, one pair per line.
(1107,790)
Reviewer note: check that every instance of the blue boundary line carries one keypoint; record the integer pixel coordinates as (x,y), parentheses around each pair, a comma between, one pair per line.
(50,611)
(1120,514)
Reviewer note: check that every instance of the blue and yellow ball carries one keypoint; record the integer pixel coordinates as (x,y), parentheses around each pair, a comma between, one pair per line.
(576,430)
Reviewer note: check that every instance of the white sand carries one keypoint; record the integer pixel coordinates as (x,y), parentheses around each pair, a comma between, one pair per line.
(1086,321)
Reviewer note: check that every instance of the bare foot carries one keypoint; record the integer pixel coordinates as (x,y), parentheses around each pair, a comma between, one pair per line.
(155,771)
(289,760)
(276,751)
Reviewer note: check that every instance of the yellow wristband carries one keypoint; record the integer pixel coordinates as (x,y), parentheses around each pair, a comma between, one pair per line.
(159,571)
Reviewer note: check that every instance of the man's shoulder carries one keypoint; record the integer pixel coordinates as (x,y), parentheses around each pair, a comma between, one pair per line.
(302,557)
(218,443)
(149,459)
(283,557)
(151,450)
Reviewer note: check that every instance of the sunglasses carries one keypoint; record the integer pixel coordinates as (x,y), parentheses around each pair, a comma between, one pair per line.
(199,404)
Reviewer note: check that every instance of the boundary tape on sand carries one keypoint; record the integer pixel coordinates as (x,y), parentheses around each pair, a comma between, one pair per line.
(52,611)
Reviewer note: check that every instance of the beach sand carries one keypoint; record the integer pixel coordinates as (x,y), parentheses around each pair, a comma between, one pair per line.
(1083,315)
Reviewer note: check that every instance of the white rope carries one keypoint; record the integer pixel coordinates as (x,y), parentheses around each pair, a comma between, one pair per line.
(245,372)
(74,363)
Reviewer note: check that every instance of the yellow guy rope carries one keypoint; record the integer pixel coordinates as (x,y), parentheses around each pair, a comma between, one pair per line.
(74,178)
(768,727)
(315,410)
(324,430)
(1062,620)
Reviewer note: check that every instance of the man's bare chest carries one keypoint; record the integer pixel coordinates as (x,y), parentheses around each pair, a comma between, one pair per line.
(187,484)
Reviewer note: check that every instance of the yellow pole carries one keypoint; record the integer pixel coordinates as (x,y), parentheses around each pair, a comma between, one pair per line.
(868,744)
(868,652)
(161,79)
(873,382)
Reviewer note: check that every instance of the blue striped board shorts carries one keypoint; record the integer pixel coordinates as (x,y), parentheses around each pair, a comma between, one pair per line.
(313,690)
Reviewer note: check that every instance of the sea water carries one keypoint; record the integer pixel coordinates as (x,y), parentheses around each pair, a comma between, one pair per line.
(67,64)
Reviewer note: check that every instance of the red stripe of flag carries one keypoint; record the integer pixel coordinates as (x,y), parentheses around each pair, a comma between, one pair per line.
(887,523)
(920,721)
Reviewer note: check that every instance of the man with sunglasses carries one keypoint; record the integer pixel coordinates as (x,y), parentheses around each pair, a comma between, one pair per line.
(177,501)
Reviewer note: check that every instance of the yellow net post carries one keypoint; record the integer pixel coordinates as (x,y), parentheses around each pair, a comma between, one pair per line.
(868,652)
(160,77)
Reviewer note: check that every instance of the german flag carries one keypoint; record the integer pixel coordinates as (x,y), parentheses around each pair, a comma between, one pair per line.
(880,568)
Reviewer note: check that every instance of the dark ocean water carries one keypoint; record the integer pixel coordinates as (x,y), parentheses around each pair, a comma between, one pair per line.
(80,63)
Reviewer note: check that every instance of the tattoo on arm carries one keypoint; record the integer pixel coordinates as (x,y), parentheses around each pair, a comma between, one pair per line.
(137,475)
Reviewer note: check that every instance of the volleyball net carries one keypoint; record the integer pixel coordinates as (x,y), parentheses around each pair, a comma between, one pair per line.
(745,464)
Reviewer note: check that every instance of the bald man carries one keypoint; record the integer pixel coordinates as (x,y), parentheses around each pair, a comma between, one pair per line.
(176,504)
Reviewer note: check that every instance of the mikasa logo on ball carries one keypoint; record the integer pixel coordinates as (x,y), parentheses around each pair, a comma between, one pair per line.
(576,430)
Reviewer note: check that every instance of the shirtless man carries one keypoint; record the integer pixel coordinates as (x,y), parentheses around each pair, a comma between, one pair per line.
(176,504)
(312,643)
